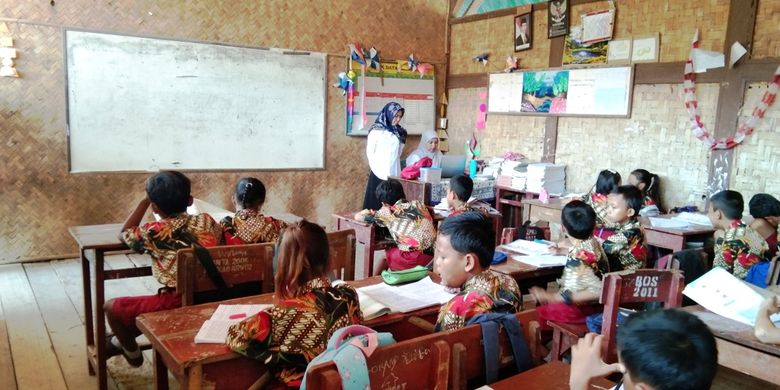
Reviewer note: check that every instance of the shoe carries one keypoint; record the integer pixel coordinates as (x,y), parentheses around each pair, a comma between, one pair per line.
(111,349)
(134,361)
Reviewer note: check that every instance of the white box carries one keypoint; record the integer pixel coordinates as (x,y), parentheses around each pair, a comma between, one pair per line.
(430,175)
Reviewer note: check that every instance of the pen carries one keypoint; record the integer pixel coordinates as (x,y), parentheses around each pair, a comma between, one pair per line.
(237,316)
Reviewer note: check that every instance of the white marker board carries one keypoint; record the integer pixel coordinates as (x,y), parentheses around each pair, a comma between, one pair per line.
(143,104)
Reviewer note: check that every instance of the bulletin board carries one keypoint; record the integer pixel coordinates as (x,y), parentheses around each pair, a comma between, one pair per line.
(145,104)
(597,91)
(395,83)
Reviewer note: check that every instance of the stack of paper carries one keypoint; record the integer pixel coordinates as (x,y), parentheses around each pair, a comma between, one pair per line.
(401,299)
(528,247)
(549,176)
(215,329)
(694,218)
(668,223)
(542,261)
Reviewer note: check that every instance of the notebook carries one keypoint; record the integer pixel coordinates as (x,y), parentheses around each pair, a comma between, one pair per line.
(452,165)
(380,299)
(215,329)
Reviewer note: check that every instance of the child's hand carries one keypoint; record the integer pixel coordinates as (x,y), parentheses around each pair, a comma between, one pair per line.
(586,362)
(555,249)
(770,306)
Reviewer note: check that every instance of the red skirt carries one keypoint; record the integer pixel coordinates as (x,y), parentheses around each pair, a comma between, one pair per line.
(398,260)
(567,314)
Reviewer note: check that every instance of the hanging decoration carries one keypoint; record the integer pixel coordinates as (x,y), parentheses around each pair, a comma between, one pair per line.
(512,64)
(412,63)
(372,59)
(482,58)
(343,83)
(694,113)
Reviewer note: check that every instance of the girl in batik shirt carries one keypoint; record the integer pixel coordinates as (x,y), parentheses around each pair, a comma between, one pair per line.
(607,182)
(249,225)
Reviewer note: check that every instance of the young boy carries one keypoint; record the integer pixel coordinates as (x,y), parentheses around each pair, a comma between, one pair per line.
(737,246)
(586,264)
(464,249)
(657,350)
(624,243)
(459,193)
(169,195)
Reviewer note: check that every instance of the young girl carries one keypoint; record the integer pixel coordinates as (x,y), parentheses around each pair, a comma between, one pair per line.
(429,147)
(607,182)
(386,140)
(309,309)
(649,184)
(249,225)
(765,210)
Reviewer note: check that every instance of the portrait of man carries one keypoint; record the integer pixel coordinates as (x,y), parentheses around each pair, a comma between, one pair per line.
(523,32)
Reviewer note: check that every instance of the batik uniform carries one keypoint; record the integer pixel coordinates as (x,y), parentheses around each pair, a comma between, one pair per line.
(739,248)
(248,226)
(625,246)
(409,223)
(466,206)
(486,292)
(289,335)
(599,204)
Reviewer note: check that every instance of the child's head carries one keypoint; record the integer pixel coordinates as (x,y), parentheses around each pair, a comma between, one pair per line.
(666,349)
(579,219)
(624,204)
(608,181)
(647,182)
(390,191)
(765,206)
(302,256)
(725,206)
(250,193)
(169,192)
(464,247)
(461,187)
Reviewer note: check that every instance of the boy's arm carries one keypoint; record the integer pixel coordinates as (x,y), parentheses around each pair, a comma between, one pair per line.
(765,330)
(134,219)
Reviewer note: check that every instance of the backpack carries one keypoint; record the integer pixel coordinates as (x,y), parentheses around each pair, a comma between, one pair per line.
(491,324)
(757,274)
(348,348)
(529,232)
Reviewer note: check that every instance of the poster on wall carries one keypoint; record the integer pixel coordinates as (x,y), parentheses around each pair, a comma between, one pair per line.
(557,18)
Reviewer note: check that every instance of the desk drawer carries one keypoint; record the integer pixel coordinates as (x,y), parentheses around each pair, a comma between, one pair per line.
(664,240)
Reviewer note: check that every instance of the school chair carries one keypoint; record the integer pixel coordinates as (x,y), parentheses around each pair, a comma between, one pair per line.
(245,269)
(342,254)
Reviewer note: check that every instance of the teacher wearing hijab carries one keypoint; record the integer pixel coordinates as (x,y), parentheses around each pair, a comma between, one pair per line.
(386,139)
(428,147)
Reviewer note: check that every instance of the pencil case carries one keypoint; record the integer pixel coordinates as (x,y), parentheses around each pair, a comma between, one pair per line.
(404,276)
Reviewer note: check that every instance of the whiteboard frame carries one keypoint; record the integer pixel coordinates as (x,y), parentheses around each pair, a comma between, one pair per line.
(322,165)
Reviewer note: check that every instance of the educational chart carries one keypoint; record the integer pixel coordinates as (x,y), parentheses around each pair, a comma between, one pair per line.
(143,104)
(394,83)
(602,91)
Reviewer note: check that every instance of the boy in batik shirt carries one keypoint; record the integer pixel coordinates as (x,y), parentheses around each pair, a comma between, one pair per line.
(737,246)
(624,244)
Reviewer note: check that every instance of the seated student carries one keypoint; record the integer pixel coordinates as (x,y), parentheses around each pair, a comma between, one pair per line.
(606,183)
(249,225)
(657,350)
(169,195)
(765,330)
(410,224)
(307,312)
(650,185)
(765,210)
(458,196)
(428,147)
(737,246)
(464,249)
(624,243)
(586,264)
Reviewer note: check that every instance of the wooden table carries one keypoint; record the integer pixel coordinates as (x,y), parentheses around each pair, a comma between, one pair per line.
(675,239)
(553,376)
(416,190)
(366,234)
(535,210)
(94,242)
(739,349)
(526,275)
(512,197)
(172,334)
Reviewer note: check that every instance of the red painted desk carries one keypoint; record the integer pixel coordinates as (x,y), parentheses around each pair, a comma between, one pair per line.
(527,275)
(366,234)
(553,376)
(511,197)
(675,239)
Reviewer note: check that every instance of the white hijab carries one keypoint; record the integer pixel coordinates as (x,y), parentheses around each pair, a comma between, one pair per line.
(422,150)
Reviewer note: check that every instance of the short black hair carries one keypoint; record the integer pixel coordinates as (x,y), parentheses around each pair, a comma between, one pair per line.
(633,197)
(668,349)
(579,219)
(170,191)
(462,186)
(471,232)
(764,205)
(250,192)
(390,191)
(729,202)
(607,182)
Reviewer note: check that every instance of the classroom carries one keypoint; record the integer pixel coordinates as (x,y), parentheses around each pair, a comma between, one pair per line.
(76,158)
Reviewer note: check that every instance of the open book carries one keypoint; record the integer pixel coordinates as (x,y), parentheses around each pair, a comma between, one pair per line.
(215,329)
(380,299)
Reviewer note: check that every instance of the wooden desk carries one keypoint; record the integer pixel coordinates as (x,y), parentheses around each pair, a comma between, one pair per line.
(675,239)
(739,349)
(94,242)
(526,275)
(511,197)
(416,190)
(553,376)
(172,334)
(366,234)
(534,210)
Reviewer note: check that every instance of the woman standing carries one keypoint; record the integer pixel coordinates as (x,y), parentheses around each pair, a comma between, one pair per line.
(386,139)
(429,147)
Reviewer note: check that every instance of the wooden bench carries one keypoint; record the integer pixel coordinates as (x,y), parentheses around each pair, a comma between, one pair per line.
(7,376)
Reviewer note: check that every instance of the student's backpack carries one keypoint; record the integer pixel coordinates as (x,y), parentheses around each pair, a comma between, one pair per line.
(530,232)
(491,324)
(757,274)
(348,348)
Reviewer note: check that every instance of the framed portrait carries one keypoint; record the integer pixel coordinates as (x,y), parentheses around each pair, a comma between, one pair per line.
(645,49)
(523,32)
(619,51)
(557,18)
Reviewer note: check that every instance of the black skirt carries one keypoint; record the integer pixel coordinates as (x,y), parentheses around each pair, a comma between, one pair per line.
(369,200)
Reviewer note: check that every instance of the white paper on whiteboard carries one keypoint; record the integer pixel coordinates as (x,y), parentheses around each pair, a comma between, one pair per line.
(505,92)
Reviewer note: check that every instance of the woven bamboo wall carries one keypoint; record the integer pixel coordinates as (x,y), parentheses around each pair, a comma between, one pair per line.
(40,199)
(766,36)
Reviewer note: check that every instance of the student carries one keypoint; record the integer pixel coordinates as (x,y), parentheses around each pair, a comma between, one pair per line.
(624,242)
(386,140)
(249,225)
(606,183)
(765,330)
(428,147)
(309,309)
(657,350)
(765,210)
(169,195)
(410,224)
(650,185)
(586,264)
(459,193)
(737,246)
(464,249)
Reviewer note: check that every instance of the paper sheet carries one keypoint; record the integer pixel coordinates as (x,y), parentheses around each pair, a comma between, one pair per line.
(705,59)
(528,247)
(542,261)
(215,329)
(669,223)
(694,218)
(737,51)
(408,297)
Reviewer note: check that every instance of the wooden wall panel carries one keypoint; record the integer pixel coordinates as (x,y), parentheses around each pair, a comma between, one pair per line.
(766,36)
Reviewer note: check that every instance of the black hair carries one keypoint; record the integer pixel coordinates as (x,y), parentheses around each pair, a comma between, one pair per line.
(764,205)
(668,349)
(250,193)
(579,219)
(652,184)
(169,191)
(632,196)
(462,186)
(607,182)
(729,202)
(390,191)
(471,232)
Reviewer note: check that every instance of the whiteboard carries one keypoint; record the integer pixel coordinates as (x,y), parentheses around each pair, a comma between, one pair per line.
(144,104)
(597,91)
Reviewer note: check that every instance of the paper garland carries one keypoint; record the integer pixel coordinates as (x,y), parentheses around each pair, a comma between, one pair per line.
(694,114)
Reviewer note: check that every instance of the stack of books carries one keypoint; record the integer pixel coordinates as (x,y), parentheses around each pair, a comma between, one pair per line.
(513,174)
(549,176)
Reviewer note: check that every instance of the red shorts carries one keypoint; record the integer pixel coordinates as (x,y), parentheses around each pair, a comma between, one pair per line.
(126,309)
(567,314)
(398,260)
